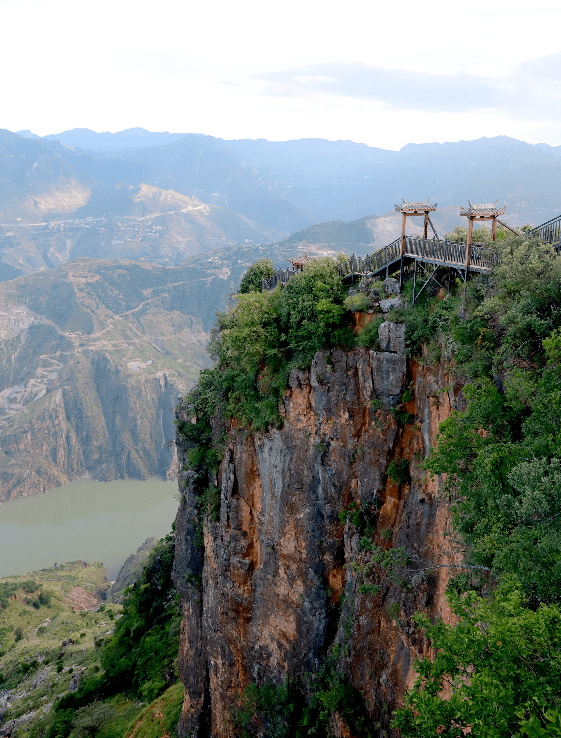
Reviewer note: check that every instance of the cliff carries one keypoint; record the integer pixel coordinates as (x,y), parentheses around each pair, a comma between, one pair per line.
(284,582)
(131,571)
(93,360)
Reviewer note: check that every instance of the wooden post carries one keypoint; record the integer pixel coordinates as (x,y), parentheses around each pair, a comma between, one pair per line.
(403,221)
(414,281)
(468,248)
(426,224)
(494,228)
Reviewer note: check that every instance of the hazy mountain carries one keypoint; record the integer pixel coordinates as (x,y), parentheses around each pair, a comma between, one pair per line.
(278,182)
(344,180)
(200,166)
(84,138)
(94,356)
(52,210)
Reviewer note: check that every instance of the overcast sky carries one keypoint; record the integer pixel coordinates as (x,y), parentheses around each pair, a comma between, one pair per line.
(385,74)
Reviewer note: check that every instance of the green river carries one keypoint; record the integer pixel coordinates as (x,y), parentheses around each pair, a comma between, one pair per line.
(87,520)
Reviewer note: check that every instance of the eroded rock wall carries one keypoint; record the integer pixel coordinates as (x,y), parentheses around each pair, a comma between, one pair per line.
(277,586)
(96,421)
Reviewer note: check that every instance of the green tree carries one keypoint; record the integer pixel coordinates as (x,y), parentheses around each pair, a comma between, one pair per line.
(141,655)
(251,280)
(501,667)
(309,307)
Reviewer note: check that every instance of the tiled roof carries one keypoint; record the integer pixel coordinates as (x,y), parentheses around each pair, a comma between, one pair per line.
(300,260)
(407,207)
(483,209)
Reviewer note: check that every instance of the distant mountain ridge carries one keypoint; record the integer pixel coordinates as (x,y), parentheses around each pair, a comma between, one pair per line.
(282,183)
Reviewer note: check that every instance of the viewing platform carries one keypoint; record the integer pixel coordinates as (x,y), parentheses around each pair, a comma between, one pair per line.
(429,250)
(426,255)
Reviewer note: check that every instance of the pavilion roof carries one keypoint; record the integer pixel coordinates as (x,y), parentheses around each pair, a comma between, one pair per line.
(415,207)
(300,260)
(485,209)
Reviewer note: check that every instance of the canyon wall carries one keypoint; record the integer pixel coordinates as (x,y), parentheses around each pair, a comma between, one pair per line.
(280,583)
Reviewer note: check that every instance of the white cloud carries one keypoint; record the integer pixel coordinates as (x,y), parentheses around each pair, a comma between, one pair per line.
(312,69)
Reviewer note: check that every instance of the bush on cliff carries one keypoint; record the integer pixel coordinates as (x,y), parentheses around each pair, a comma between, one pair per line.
(259,339)
(251,280)
(141,655)
(501,457)
(503,663)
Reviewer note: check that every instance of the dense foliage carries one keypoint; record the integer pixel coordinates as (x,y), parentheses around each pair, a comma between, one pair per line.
(501,457)
(251,280)
(139,659)
(142,653)
(300,708)
(502,666)
(260,339)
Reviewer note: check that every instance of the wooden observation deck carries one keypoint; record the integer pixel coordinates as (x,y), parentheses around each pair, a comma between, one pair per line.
(425,257)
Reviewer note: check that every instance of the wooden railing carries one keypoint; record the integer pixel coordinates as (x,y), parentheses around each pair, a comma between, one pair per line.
(446,253)
(548,232)
(373,263)
(433,250)
(430,249)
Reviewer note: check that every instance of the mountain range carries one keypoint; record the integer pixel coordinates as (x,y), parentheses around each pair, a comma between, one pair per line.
(116,251)
(94,355)
(162,197)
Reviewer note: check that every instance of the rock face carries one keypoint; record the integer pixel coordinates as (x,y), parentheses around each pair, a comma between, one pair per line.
(131,571)
(277,587)
(92,362)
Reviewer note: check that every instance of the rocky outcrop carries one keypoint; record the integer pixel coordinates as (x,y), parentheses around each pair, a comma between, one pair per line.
(280,582)
(100,423)
(131,571)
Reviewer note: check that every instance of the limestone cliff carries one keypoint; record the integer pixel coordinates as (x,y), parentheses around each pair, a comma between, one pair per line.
(280,582)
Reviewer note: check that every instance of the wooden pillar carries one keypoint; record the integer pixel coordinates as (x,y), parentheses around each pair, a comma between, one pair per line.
(468,248)
(494,228)
(414,281)
(403,221)
(426,224)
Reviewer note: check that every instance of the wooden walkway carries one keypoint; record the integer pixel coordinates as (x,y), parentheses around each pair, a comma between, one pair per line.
(418,251)
(441,253)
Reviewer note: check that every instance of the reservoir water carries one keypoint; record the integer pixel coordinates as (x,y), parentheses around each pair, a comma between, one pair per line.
(87,520)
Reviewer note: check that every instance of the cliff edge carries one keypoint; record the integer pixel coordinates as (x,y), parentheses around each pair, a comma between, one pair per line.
(321,546)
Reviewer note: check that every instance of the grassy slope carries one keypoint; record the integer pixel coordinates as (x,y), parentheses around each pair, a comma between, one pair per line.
(36,670)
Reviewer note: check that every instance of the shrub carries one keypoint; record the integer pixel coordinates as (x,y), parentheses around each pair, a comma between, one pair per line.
(393,610)
(368,336)
(358,303)
(398,471)
(91,718)
(369,588)
(251,280)
(502,678)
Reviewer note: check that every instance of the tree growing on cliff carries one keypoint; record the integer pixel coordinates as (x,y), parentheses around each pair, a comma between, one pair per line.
(501,667)
(261,337)
(251,280)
